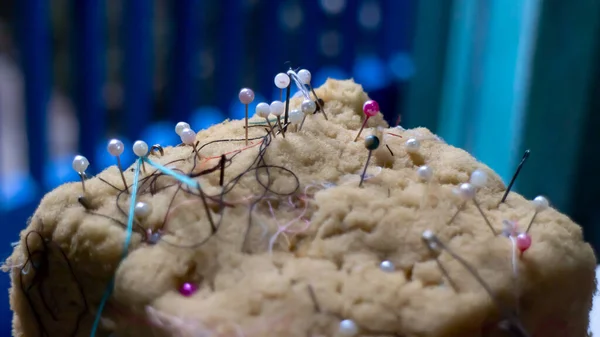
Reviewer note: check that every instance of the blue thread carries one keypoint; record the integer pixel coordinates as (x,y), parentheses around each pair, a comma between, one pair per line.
(109,288)
(181,177)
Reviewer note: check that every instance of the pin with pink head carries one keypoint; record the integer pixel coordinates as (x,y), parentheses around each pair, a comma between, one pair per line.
(188,289)
(370,108)
(523,242)
(246,96)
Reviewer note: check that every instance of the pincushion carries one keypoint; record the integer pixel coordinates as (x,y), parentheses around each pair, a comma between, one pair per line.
(290,245)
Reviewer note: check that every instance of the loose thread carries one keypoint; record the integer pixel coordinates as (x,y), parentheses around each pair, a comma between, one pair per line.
(130,218)
(181,177)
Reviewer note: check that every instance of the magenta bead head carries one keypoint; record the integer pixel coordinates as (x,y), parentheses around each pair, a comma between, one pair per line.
(187,289)
(246,96)
(371,108)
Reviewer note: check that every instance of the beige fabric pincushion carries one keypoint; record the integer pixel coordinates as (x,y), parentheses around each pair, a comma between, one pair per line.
(310,257)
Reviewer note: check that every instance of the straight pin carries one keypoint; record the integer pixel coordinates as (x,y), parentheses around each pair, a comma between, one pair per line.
(277,108)
(371,143)
(140,149)
(188,137)
(246,96)
(370,109)
(115,147)
(80,164)
(282,80)
(514,177)
(540,203)
(263,110)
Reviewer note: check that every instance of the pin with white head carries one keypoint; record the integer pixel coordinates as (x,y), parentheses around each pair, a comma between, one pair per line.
(467,192)
(140,149)
(246,96)
(296,116)
(180,126)
(263,110)
(277,108)
(413,145)
(387,266)
(371,143)
(305,77)
(540,204)
(425,173)
(478,178)
(115,147)
(370,109)
(80,164)
(348,328)
(431,240)
(282,81)
(307,107)
(188,137)
(142,210)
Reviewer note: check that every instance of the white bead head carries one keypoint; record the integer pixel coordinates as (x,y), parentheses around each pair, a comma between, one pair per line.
(142,209)
(282,80)
(115,147)
(296,116)
(348,328)
(412,145)
(80,164)
(425,173)
(140,148)
(308,106)
(304,76)
(180,126)
(466,191)
(540,203)
(387,266)
(277,108)
(263,110)
(188,136)
(478,178)
(430,239)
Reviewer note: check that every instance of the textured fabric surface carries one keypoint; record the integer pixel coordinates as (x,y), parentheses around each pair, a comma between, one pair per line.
(325,234)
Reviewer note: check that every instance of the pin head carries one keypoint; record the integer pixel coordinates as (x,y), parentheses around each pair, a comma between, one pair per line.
(246,96)
(295,116)
(466,191)
(371,142)
(142,209)
(387,266)
(140,148)
(263,110)
(80,164)
(478,178)
(180,126)
(188,136)
(523,242)
(282,80)
(371,108)
(277,108)
(187,289)
(308,106)
(540,203)
(304,76)
(425,173)
(412,145)
(115,147)
(348,328)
